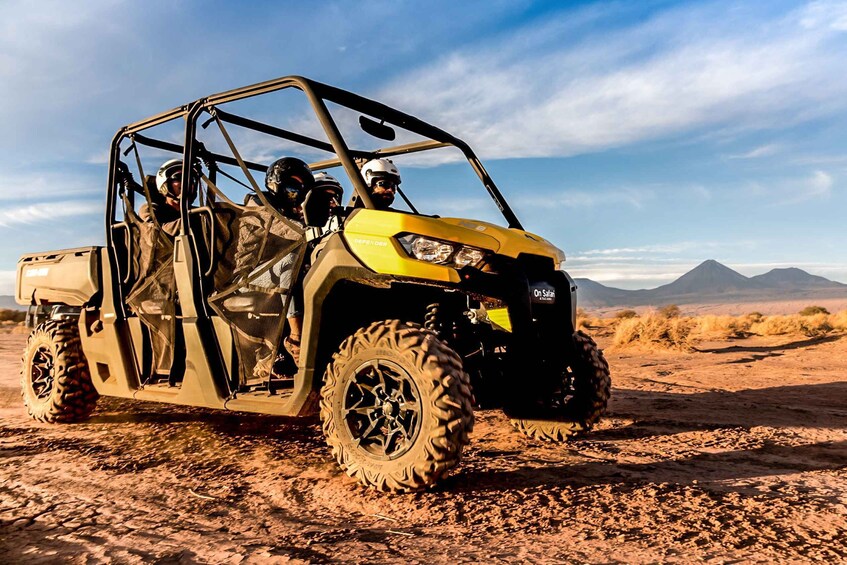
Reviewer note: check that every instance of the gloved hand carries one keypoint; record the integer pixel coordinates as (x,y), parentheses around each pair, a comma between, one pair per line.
(124,176)
(123,171)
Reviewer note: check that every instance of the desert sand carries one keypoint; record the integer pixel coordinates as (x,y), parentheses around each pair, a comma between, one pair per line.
(736,452)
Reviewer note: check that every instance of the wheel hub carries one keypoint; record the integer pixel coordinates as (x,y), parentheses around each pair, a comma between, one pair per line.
(382,409)
(389,409)
(41,373)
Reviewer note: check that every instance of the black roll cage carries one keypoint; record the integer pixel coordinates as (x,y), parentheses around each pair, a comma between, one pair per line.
(317,93)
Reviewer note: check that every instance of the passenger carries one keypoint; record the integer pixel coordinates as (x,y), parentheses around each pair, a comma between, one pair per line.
(383,180)
(287,181)
(326,198)
(166,208)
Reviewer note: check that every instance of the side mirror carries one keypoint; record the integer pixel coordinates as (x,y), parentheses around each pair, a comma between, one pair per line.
(377,129)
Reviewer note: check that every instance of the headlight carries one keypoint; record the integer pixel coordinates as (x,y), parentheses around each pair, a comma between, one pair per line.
(431,251)
(441,252)
(468,256)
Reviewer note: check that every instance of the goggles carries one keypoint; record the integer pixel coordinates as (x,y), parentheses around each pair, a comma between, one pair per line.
(386,183)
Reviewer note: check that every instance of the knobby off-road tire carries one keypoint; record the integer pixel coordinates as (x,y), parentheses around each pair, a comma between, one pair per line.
(55,382)
(396,407)
(591,390)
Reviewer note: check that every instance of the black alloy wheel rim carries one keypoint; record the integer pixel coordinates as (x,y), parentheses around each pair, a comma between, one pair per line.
(41,373)
(382,409)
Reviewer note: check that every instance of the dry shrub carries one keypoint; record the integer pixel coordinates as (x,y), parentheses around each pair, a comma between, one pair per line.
(655,331)
(12,315)
(777,325)
(670,311)
(810,326)
(717,327)
(813,311)
(816,326)
(839,321)
(625,314)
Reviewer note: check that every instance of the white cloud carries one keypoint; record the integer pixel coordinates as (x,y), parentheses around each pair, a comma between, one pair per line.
(47,212)
(17,187)
(820,184)
(817,186)
(761,151)
(537,94)
(832,15)
(648,266)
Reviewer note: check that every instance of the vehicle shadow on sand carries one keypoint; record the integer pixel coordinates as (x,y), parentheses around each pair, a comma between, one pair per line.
(663,413)
(700,469)
(772,348)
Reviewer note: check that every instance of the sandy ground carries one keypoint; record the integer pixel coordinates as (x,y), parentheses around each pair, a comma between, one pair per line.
(735,453)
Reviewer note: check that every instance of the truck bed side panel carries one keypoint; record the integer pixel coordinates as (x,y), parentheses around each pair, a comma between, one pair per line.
(69,276)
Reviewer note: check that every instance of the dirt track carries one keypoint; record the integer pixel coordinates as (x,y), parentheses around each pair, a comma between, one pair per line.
(739,453)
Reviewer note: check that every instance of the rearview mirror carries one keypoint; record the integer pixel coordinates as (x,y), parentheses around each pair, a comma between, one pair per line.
(377,129)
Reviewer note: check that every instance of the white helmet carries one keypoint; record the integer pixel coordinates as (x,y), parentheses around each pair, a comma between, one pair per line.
(162,176)
(322,178)
(380,168)
(329,184)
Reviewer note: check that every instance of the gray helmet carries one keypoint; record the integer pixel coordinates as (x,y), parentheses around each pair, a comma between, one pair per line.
(288,180)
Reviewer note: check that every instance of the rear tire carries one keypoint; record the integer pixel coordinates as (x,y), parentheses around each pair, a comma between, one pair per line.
(55,381)
(562,419)
(396,407)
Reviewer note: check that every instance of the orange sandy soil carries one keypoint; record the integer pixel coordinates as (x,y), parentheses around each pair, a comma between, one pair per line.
(735,453)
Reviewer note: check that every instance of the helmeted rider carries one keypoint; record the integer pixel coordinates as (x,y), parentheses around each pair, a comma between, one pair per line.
(330,187)
(169,187)
(287,181)
(382,179)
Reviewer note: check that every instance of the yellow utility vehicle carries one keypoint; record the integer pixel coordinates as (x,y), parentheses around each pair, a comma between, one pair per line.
(411,320)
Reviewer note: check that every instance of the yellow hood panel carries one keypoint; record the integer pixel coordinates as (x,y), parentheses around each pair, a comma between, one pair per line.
(370,236)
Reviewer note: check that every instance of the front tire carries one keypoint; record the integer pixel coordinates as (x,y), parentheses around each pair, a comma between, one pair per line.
(580,404)
(55,381)
(396,407)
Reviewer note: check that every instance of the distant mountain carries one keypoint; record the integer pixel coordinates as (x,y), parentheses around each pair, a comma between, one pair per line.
(711,282)
(793,277)
(707,277)
(602,295)
(8,302)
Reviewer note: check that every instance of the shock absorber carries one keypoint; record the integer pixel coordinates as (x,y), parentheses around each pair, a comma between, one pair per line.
(432,319)
(445,319)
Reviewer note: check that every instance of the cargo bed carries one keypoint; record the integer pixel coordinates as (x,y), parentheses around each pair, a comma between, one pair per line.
(67,276)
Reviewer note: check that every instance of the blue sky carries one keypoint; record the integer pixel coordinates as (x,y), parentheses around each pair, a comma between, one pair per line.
(641,138)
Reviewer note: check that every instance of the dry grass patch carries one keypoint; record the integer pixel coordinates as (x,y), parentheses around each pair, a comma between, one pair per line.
(839,321)
(655,331)
(816,325)
(658,331)
(16,316)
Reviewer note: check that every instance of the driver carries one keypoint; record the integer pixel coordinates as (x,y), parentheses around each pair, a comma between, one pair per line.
(383,180)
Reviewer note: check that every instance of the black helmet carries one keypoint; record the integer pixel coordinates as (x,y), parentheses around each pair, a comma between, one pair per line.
(288,180)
